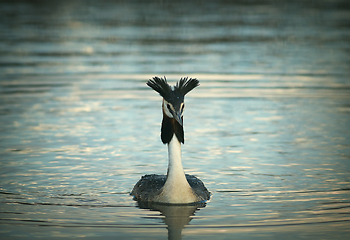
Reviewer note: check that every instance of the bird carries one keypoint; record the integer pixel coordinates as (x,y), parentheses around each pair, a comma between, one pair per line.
(175,187)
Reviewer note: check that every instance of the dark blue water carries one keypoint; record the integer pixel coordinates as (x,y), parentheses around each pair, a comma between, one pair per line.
(267,131)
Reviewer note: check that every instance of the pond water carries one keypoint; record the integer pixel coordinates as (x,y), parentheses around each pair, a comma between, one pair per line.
(267,131)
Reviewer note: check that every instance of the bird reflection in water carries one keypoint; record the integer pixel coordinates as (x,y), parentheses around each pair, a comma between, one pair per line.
(176,216)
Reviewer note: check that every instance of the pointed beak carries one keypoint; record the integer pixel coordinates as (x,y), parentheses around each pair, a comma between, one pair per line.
(178,118)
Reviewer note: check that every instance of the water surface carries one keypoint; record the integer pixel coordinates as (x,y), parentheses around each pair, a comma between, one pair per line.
(267,131)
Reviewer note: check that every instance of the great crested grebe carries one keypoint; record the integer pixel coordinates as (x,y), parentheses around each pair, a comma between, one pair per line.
(175,187)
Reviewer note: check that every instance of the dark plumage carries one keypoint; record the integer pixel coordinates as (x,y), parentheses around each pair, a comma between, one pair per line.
(170,127)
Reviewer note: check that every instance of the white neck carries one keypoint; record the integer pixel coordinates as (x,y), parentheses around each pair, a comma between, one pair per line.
(176,188)
(175,169)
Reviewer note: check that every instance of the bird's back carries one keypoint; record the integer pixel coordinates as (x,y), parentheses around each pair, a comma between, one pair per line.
(149,186)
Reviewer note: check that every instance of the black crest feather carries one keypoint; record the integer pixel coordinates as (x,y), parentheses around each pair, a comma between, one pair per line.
(185,85)
(161,86)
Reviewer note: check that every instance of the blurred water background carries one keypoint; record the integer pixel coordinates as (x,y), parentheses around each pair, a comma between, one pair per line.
(267,131)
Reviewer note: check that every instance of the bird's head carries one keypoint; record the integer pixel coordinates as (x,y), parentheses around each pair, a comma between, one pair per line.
(173,105)
(173,97)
